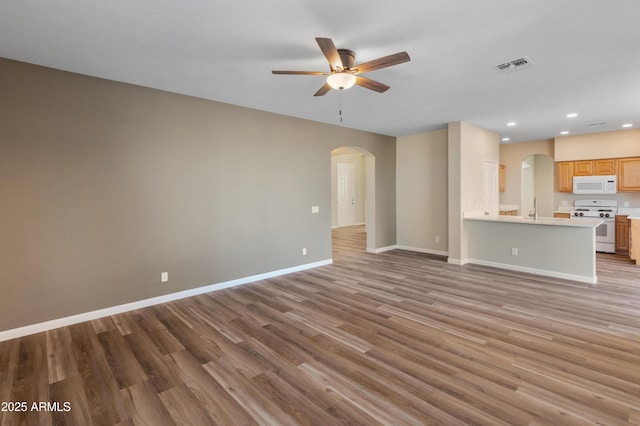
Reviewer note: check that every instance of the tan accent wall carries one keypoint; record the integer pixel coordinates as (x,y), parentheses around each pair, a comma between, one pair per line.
(512,155)
(105,185)
(618,144)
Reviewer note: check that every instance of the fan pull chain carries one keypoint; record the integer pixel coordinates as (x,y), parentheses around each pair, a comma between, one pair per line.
(340,109)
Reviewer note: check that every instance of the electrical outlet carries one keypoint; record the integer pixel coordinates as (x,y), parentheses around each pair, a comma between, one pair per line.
(437,239)
(304,251)
(164,277)
(514,251)
(315,209)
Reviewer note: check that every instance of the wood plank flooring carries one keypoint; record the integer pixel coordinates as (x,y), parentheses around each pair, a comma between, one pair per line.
(398,338)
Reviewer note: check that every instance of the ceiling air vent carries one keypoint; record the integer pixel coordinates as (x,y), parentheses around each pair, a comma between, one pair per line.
(514,65)
(598,124)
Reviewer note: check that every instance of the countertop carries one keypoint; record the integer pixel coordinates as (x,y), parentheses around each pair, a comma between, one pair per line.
(631,211)
(547,221)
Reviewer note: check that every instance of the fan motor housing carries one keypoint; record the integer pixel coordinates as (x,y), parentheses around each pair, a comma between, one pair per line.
(348,58)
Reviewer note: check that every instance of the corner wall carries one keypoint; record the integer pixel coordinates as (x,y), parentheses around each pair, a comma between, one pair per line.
(469,146)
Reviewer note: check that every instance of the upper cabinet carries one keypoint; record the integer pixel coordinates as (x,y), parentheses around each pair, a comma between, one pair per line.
(583,168)
(605,167)
(565,176)
(595,167)
(629,174)
(627,170)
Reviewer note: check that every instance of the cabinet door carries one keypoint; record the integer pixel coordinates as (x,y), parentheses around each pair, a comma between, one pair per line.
(565,176)
(622,234)
(502,178)
(606,167)
(583,168)
(634,241)
(562,215)
(629,175)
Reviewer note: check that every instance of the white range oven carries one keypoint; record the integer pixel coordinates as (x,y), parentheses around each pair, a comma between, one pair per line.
(605,209)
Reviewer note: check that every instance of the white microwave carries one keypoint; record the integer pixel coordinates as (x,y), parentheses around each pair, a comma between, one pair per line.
(595,184)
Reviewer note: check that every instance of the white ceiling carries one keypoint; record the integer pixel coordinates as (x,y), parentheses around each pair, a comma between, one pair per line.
(586,56)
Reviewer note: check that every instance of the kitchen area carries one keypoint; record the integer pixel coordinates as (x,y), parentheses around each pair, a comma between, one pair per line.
(620,219)
(597,177)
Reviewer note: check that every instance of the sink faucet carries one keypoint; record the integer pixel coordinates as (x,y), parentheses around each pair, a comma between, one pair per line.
(534,214)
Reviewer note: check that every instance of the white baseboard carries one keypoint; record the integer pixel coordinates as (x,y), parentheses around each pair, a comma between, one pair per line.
(381,249)
(114,310)
(543,272)
(458,262)
(346,226)
(423,250)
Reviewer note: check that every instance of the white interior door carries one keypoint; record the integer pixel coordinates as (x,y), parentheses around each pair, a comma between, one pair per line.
(346,192)
(491,190)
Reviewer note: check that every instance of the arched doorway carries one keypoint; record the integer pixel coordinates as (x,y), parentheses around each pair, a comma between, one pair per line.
(353,190)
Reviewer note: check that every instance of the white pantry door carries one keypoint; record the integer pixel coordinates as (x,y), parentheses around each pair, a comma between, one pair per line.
(346,206)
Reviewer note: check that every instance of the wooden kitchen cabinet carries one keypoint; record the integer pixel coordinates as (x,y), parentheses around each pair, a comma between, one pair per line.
(629,174)
(501,178)
(565,176)
(583,168)
(622,234)
(595,167)
(634,240)
(605,167)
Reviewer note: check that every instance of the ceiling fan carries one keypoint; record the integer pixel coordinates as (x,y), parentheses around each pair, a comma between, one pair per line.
(344,74)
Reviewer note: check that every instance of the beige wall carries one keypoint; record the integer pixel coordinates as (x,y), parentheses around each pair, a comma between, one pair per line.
(105,185)
(623,143)
(421,191)
(512,155)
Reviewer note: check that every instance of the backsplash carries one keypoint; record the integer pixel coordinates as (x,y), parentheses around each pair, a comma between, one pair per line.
(632,198)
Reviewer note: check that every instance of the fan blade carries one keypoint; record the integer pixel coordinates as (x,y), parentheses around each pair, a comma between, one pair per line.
(387,61)
(323,90)
(301,72)
(371,84)
(330,52)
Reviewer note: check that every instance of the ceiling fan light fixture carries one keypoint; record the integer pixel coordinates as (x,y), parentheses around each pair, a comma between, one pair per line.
(341,80)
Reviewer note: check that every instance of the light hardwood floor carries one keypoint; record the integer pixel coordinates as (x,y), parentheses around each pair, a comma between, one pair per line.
(398,338)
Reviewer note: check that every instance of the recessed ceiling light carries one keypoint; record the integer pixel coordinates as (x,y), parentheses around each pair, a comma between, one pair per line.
(627,125)
(572,115)
(505,139)
(511,123)
(564,132)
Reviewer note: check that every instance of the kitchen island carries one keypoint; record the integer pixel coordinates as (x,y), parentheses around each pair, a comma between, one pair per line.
(557,247)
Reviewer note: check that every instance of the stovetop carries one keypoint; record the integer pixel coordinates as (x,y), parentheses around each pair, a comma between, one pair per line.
(595,208)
